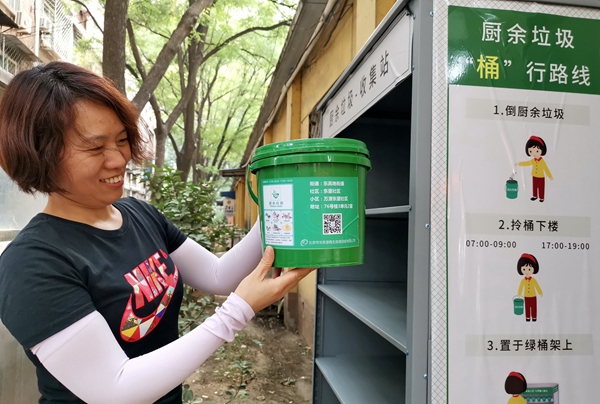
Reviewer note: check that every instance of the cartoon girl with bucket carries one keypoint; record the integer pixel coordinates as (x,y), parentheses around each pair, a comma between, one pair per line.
(529,287)
(536,148)
(515,384)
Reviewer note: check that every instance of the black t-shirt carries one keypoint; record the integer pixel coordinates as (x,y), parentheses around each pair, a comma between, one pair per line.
(57,271)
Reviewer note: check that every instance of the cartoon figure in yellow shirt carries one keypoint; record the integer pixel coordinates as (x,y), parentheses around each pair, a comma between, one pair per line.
(536,148)
(515,384)
(529,287)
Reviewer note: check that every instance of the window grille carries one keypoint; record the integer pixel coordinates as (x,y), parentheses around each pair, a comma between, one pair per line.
(62,38)
(10,59)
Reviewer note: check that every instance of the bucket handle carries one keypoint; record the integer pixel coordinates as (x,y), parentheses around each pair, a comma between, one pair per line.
(254,197)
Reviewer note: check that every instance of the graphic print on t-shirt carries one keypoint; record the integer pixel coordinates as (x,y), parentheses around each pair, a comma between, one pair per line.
(149,281)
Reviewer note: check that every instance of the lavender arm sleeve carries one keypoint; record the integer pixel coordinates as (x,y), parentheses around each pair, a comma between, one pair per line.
(86,358)
(204,271)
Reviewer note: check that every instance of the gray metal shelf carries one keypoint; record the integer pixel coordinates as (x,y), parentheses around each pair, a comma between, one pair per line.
(381,307)
(388,211)
(365,379)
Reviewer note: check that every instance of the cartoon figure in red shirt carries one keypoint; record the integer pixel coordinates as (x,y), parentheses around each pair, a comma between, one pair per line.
(529,287)
(536,148)
(515,385)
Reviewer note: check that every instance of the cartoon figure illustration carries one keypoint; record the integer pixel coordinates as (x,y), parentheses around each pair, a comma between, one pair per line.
(536,148)
(527,266)
(515,385)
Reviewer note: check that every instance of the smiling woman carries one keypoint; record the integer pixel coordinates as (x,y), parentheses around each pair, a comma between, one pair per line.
(91,172)
(92,286)
(39,107)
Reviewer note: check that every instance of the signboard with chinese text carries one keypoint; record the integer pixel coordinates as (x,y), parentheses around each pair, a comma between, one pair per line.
(522,87)
(387,65)
(228,207)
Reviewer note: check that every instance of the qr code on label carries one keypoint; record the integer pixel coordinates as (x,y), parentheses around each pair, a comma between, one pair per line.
(332,223)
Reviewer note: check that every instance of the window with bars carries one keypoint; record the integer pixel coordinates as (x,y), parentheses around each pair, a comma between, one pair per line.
(10,59)
(61,37)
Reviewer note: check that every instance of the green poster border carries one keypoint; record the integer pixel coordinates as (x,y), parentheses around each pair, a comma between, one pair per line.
(466,48)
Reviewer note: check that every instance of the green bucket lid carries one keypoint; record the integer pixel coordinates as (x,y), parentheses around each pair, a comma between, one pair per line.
(312,145)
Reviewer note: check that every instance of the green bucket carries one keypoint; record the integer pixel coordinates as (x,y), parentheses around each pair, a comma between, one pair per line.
(518,305)
(512,189)
(311,197)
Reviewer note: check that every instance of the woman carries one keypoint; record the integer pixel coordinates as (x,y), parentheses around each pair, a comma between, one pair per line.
(536,148)
(515,385)
(91,287)
(529,287)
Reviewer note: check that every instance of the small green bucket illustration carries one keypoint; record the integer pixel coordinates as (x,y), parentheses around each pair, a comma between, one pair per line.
(518,305)
(512,189)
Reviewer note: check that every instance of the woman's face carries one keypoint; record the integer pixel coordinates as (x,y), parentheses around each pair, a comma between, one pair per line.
(527,269)
(95,157)
(535,151)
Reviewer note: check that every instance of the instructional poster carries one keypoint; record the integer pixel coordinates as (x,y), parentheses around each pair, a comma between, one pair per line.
(523,236)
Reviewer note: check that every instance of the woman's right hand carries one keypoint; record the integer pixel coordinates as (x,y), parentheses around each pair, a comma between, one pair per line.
(259,291)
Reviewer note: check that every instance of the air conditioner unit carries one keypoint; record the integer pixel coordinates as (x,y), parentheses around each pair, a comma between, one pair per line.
(45,24)
(23,21)
(46,41)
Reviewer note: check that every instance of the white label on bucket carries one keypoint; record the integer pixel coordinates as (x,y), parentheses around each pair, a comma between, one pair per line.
(279,214)
(325,210)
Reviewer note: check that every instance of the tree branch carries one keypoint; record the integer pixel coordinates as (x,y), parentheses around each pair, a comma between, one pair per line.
(89,12)
(175,148)
(132,71)
(150,29)
(167,53)
(244,32)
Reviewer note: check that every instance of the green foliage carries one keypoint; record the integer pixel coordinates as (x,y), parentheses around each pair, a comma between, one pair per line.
(188,396)
(88,53)
(194,310)
(190,207)
(288,381)
(244,373)
(243,67)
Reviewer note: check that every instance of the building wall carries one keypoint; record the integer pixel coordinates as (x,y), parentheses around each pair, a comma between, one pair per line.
(331,61)
(279,125)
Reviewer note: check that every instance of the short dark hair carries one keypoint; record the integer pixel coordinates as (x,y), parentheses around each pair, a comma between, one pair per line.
(537,142)
(37,109)
(515,383)
(528,259)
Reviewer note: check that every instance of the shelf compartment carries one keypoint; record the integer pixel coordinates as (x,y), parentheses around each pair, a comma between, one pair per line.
(365,379)
(381,307)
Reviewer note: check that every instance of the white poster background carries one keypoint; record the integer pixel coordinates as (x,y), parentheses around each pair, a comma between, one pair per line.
(483,149)
(460,280)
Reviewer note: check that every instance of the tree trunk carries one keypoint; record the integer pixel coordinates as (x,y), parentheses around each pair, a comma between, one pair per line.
(195,60)
(161,142)
(189,143)
(113,51)
(160,132)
